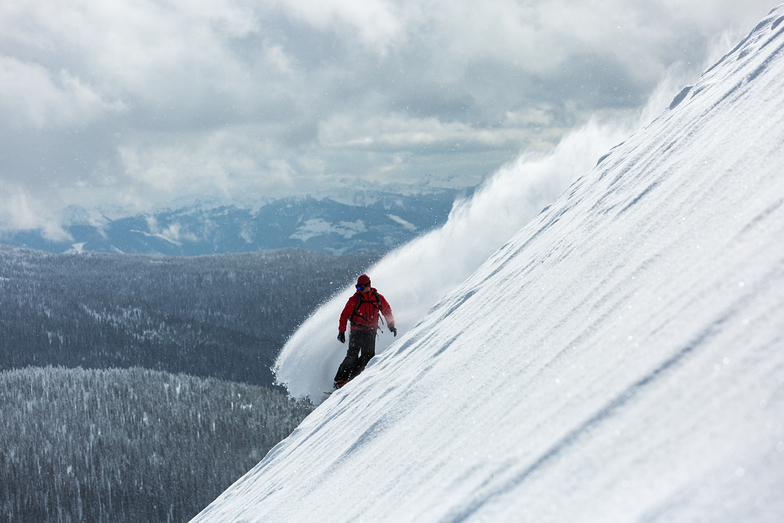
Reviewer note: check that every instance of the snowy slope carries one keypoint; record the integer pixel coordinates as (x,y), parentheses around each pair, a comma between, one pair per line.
(415,277)
(621,359)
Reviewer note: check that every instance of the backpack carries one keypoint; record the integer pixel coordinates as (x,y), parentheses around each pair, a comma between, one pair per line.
(369,312)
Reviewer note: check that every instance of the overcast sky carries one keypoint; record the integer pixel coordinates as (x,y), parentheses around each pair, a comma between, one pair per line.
(141,102)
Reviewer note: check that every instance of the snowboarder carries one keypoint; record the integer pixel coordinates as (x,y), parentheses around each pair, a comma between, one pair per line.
(362,310)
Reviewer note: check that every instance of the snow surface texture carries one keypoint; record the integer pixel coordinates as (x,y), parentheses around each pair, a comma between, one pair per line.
(621,359)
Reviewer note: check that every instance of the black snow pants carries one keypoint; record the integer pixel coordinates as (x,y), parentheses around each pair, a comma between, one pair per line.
(361,349)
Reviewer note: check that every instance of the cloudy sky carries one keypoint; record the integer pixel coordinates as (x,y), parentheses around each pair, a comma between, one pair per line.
(137,103)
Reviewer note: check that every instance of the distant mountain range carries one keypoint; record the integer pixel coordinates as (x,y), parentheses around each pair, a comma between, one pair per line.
(382,221)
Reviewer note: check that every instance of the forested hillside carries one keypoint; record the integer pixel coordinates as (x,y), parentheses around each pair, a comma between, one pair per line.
(223,316)
(129,445)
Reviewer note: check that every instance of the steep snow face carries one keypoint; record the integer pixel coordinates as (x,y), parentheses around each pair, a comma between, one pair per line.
(416,276)
(621,359)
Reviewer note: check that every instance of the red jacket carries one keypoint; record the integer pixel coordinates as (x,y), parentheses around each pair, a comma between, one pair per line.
(365,317)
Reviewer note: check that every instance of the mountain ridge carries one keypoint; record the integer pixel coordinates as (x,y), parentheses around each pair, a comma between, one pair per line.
(334,225)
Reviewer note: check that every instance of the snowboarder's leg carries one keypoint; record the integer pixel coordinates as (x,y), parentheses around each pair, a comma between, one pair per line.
(347,368)
(361,349)
(365,344)
(368,350)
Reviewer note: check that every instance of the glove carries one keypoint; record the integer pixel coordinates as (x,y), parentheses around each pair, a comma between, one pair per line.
(342,337)
(393,331)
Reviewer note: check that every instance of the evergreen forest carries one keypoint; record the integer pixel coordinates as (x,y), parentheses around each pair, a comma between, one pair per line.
(129,445)
(224,316)
(138,387)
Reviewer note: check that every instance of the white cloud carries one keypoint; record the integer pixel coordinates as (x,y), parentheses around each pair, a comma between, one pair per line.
(147,49)
(377,23)
(20,211)
(398,132)
(31,96)
(250,99)
(228,162)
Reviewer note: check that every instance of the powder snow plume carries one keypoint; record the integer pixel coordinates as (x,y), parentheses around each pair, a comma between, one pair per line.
(416,276)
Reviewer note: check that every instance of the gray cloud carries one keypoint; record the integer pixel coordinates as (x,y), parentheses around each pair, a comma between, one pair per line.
(135,103)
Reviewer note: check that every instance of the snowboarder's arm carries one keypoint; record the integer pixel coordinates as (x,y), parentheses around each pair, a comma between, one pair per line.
(386,310)
(347,310)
